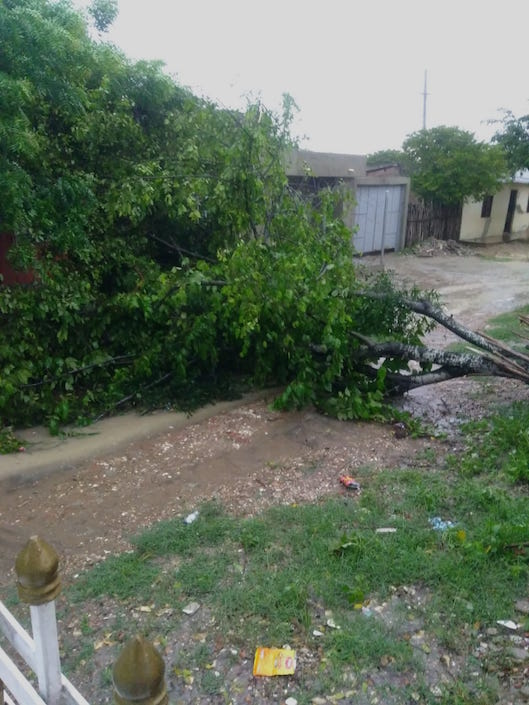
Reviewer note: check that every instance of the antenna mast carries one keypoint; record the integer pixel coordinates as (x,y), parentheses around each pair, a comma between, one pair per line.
(424,96)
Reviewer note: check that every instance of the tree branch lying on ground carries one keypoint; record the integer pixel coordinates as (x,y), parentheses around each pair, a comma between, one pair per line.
(496,358)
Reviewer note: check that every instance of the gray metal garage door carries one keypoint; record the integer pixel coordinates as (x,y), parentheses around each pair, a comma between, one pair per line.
(379,216)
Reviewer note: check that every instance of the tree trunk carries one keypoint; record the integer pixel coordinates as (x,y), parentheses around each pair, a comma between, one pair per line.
(492,358)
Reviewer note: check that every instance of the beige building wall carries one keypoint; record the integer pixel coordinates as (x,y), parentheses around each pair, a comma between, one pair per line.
(474,228)
(520,223)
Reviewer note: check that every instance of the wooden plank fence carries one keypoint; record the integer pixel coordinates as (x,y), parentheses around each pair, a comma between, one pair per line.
(428,221)
(139,668)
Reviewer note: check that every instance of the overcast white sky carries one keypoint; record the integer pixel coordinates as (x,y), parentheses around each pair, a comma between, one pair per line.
(354,67)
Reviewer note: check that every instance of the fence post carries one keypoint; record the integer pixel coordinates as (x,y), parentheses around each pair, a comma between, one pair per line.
(384,217)
(38,585)
(138,675)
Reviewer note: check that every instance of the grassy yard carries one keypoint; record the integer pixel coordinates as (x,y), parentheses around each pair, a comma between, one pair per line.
(507,328)
(370,613)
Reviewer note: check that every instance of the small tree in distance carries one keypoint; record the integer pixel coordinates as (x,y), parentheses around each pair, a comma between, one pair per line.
(513,137)
(387,156)
(448,165)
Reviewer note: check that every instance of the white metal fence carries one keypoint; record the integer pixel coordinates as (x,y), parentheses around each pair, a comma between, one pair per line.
(38,585)
(41,655)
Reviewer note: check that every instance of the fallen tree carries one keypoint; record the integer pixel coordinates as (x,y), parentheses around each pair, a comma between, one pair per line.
(173,264)
(263,315)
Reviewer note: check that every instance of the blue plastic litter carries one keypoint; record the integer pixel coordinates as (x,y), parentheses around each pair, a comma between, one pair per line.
(439,524)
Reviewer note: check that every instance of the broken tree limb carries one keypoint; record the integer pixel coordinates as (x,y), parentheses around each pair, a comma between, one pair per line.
(488,357)
(481,340)
(495,348)
(447,320)
(471,362)
(398,384)
(451,364)
(467,363)
(426,308)
(506,350)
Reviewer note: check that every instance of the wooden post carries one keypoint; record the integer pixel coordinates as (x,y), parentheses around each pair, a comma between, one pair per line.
(383,243)
(138,675)
(38,585)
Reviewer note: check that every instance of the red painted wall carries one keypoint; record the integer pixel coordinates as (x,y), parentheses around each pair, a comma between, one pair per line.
(11,276)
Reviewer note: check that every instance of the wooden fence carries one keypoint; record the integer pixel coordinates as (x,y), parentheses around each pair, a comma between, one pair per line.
(429,221)
(138,674)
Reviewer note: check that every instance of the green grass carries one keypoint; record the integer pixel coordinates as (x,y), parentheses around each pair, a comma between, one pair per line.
(273,578)
(124,576)
(498,447)
(460,347)
(170,537)
(507,327)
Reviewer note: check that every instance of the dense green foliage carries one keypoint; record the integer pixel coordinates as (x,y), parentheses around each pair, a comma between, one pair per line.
(387,156)
(171,257)
(513,137)
(103,13)
(447,165)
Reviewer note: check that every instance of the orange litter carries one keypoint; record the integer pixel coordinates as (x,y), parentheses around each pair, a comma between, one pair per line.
(274,662)
(349,482)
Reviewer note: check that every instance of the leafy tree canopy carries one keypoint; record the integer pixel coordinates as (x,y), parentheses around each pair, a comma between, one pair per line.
(387,156)
(513,137)
(94,146)
(103,12)
(447,165)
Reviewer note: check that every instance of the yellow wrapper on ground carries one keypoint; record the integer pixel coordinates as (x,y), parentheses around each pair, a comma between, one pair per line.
(274,662)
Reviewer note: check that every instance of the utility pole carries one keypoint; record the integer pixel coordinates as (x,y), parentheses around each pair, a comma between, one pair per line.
(424,96)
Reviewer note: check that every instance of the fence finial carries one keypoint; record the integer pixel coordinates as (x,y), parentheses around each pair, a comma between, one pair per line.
(37,567)
(139,675)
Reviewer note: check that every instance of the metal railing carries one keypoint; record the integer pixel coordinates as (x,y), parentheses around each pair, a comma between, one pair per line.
(138,674)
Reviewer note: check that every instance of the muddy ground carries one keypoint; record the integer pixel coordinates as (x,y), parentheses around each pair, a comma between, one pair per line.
(87,504)
(87,494)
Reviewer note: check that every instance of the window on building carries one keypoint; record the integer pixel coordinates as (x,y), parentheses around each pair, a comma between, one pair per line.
(486,207)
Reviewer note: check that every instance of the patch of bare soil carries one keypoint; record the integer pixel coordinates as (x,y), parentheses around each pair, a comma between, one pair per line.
(250,458)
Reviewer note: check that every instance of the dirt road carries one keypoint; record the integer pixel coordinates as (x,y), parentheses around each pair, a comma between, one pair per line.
(247,456)
(473,288)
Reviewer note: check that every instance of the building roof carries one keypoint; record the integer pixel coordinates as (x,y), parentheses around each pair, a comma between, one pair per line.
(326,164)
(521,177)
